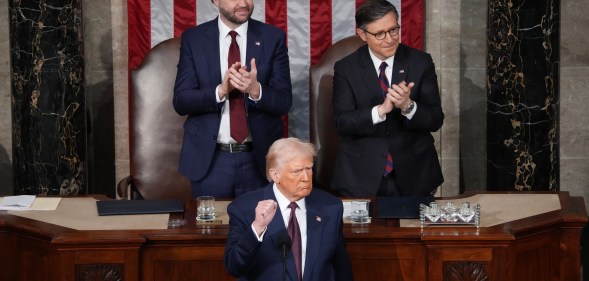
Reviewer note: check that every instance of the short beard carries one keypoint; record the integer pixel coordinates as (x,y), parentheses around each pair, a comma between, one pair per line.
(233,19)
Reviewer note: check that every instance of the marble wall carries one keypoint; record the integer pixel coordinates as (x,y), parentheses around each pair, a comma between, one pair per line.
(523,95)
(456,38)
(48,97)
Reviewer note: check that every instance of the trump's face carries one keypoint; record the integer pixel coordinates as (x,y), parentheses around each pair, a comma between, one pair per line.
(235,12)
(385,47)
(294,178)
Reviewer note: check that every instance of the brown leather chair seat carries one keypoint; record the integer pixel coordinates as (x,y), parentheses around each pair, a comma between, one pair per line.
(155,129)
(323,133)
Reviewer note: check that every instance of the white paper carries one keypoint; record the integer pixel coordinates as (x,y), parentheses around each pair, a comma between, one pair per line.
(19,202)
(45,204)
(347,209)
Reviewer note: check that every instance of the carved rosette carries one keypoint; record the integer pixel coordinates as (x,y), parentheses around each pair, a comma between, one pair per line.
(465,271)
(99,272)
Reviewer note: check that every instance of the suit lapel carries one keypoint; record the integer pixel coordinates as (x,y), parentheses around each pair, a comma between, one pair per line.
(212,51)
(314,231)
(400,69)
(369,76)
(254,43)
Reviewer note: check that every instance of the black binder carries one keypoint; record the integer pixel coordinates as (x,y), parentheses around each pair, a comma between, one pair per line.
(400,207)
(133,207)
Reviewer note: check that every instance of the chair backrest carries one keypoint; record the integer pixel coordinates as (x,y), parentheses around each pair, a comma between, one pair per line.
(155,128)
(323,133)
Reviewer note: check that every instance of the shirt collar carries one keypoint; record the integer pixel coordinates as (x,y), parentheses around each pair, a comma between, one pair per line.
(224,29)
(376,61)
(283,202)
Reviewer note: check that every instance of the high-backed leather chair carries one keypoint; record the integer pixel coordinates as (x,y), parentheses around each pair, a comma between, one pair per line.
(155,129)
(322,127)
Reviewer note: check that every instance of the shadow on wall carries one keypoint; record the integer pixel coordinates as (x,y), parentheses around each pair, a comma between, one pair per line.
(100,123)
(472,98)
(472,131)
(6,173)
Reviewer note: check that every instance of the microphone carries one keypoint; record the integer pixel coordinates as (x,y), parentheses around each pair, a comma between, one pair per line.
(284,243)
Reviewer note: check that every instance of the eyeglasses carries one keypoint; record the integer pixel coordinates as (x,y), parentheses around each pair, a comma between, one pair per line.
(381,35)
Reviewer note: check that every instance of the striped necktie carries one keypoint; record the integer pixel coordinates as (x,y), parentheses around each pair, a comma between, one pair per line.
(384,86)
(384,82)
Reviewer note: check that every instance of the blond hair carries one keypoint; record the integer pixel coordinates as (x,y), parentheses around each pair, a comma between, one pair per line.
(286,149)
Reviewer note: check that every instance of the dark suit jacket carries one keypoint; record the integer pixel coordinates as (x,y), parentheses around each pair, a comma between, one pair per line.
(361,156)
(198,76)
(326,257)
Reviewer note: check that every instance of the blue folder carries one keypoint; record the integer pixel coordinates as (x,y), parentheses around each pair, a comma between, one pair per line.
(133,207)
(400,207)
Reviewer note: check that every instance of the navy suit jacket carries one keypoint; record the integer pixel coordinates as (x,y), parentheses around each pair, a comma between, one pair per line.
(362,153)
(249,259)
(199,74)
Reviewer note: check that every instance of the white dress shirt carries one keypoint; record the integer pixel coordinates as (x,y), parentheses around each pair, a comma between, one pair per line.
(224,42)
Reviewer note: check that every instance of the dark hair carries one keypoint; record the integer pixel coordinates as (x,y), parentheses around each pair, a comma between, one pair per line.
(373,10)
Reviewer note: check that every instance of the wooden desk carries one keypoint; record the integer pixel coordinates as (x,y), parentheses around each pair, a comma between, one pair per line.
(540,247)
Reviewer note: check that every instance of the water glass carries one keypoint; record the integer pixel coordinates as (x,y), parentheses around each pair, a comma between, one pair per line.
(359,212)
(205,208)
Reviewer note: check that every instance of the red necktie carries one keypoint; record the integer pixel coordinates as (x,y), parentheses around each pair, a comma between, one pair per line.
(384,85)
(295,235)
(237,119)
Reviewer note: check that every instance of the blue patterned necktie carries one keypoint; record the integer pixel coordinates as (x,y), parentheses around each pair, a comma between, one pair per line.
(384,82)
(384,86)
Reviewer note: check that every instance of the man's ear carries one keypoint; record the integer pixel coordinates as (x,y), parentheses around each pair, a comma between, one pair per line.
(361,33)
(274,175)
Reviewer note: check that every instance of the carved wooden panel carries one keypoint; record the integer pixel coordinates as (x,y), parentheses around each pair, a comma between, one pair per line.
(543,247)
(465,271)
(537,258)
(387,261)
(190,270)
(99,272)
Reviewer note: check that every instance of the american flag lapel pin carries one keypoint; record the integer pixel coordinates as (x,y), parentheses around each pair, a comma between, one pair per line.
(318,218)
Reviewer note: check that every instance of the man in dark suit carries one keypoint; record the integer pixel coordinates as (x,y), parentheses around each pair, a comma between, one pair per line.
(386,144)
(259,246)
(230,64)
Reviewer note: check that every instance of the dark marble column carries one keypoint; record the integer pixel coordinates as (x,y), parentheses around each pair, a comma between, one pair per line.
(48,100)
(523,95)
